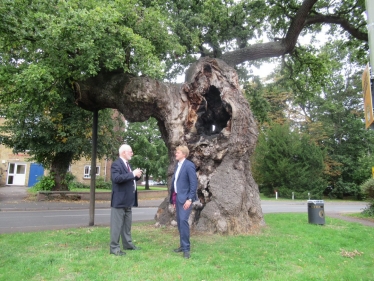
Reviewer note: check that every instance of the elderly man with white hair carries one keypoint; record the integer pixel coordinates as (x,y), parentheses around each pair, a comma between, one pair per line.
(124,197)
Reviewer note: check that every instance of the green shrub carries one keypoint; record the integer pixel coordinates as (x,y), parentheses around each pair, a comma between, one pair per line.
(69,177)
(369,210)
(76,184)
(342,189)
(102,184)
(367,188)
(45,183)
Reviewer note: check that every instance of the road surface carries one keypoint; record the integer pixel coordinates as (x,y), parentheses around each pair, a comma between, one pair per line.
(24,221)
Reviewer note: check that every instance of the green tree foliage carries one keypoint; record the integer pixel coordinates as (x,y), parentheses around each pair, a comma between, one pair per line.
(44,41)
(269,104)
(364,166)
(46,45)
(288,161)
(150,152)
(326,94)
(337,112)
(367,188)
(212,27)
(59,134)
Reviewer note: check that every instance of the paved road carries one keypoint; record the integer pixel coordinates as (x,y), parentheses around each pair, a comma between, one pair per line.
(289,206)
(23,221)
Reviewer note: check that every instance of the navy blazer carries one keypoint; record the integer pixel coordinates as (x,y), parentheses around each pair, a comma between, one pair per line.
(123,195)
(186,182)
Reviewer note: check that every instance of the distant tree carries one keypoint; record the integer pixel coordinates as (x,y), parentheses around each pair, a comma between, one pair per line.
(332,104)
(150,152)
(288,161)
(59,133)
(324,100)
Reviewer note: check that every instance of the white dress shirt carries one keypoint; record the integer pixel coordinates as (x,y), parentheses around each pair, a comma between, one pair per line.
(180,163)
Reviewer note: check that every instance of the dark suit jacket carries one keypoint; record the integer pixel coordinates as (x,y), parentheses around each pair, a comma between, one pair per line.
(123,195)
(186,182)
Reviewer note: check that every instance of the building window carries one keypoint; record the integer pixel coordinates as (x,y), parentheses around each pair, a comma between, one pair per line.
(87,171)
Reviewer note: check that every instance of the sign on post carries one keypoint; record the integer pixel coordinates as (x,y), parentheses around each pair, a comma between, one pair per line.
(368,99)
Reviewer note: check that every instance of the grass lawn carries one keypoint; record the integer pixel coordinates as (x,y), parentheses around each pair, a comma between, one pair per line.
(142,188)
(362,216)
(139,188)
(288,248)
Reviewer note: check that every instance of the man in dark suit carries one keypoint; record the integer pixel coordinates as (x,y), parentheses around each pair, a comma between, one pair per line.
(124,196)
(184,184)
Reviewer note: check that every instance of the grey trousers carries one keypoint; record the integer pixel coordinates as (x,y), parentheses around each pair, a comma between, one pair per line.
(120,226)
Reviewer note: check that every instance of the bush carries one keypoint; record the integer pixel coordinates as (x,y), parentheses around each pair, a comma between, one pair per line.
(69,177)
(102,184)
(367,188)
(342,189)
(369,210)
(77,184)
(46,183)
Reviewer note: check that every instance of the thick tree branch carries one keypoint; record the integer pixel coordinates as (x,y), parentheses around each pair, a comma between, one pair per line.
(345,24)
(287,44)
(298,23)
(273,49)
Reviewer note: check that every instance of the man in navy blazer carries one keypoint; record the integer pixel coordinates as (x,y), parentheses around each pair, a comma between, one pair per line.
(124,196)
(184,184)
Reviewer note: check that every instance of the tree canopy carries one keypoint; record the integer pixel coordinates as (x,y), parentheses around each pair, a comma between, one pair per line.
(45,41)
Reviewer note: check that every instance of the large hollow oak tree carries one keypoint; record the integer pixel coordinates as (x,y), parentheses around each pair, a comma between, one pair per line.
(208,112)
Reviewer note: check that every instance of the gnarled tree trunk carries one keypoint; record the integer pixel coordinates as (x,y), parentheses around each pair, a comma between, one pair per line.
(209,114)
(59,167)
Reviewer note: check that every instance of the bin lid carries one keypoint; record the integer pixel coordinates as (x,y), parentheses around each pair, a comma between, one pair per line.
(315,201)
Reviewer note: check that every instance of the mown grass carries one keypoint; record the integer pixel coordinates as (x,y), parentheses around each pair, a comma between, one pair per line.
(362,216)
(288,248)
(139,188)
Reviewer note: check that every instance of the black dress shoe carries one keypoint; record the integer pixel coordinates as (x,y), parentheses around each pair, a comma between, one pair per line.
(133,248)
(119,253)
(186,255)
(178,250)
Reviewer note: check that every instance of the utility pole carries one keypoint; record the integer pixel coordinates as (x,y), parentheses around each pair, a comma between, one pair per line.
(93,167)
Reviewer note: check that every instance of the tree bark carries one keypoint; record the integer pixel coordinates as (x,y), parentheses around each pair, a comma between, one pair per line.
(210,115)
(59,168)
(146,187)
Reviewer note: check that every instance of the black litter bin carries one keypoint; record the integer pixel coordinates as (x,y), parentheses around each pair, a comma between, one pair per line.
(316,212)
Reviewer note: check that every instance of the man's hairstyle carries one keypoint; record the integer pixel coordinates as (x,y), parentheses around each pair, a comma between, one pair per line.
(123,147)
(184,149)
